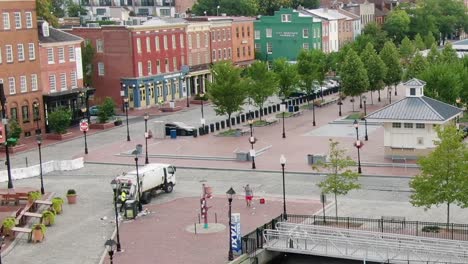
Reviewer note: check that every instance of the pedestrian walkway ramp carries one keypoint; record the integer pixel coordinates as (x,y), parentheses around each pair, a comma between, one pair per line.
(363,245)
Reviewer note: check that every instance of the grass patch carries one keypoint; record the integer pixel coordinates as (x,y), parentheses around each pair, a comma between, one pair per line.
(259,123)
(229,133)
(354,116)
(286,114)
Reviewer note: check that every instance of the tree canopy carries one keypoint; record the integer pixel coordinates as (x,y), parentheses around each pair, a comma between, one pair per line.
(397,24)
(417,65)
(231,8)
(354,80)
(391,58)
(287,77)
(261,82)
(44,10)
(375,68)
(312,67)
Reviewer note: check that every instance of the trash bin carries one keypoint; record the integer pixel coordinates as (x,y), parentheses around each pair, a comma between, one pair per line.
(296,108)
(131,209)
(291,108)
(173,133)
(242,156)
(195,133)
(201,131)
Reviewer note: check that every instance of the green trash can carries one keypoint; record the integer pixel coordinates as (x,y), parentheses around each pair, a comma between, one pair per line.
(131,209)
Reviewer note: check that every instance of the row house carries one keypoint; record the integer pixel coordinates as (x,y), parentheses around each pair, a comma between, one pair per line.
(285,34)
(332,29)
(355,20)
(243,40)
(146,63)
(61,72)
(20,69)
(365,10)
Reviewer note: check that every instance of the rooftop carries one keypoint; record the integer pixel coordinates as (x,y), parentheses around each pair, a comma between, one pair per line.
(55,35)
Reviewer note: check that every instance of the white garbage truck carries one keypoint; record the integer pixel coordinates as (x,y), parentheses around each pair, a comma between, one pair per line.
(153,177)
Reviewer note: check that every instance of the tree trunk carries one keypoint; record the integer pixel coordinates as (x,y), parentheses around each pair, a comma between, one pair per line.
(229,118)
(371,97)
(353,104)
(448,215)
(396,90)
(261,112)
(336,208)
(379,96)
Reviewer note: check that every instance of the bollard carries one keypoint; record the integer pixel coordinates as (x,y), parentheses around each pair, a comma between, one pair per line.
(216,218)
(195,225)
(222,125)
(26,158)
(238,119)
(212,128)
(199,220)
(201,131)
(207,131)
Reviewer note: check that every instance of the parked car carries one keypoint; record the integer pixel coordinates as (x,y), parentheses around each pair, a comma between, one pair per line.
(94,110)
(181,128)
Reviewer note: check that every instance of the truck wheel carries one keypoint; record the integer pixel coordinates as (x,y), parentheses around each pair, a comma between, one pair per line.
(146,198)
(169,188)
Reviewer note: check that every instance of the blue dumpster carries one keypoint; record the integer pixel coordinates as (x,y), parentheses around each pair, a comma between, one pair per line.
(173,134)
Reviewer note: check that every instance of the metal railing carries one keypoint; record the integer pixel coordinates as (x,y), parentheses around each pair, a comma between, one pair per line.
(255,240)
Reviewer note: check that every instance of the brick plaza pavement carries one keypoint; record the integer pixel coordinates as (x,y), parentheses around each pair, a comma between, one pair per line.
(161,236)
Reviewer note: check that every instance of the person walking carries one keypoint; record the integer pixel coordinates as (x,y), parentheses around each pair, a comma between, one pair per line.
(123,199)
(248,195)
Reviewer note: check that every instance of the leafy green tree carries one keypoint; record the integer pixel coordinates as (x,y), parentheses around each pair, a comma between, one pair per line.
(262,83)
(312,67)
(44,10)
(417,65)
(353,75)
(443,81)
(448,54)
(443,178)
(418,42)
(75,10)
(429,40)
(268,7)
(106,110)
(453,17)
(375,69)
(391,58)
(14,132)
(58,8)
(59,120)
(309,4)
(341,179)
(87,58)
(378,37)
(397,24)
(406,50)
(287,77)
(231,8)
(228,90)
(434,55)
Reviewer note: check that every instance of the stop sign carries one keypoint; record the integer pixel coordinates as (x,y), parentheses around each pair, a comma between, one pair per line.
(84,126)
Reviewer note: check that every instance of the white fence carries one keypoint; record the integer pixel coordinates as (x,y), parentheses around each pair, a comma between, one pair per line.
(49,166)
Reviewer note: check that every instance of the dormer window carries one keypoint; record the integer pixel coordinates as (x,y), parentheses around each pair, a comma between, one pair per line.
(286,18)
(45,29)
(413,91)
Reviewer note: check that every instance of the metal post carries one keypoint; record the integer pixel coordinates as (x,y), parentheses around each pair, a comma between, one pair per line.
(252,145)
(40,168)
(313,111)
(230,255)
(126,117)
(146,141)
(284,195)
(187,93)
(359,161)
(111,255)
(365,108)
(85,143)
(201,101)
(7,151)
(140,207)
(365,124)
(339,105)
(117,221)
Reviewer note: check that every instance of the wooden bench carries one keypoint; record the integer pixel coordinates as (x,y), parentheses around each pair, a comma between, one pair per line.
(23,230)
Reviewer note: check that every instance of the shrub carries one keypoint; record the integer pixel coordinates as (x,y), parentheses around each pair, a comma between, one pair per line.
(59,120)
(431,229)
(57,204)
(34,195)
(50,216)
(71,192)
(41,227)
(106,110)
(203,98)
(14,131)
(9,223)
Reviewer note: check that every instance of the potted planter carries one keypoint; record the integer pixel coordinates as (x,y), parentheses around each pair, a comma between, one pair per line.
(71,196)
(59,121)
(48,217)
(7,224)
(38,232)
(118,122)
(33,196)
(57,204)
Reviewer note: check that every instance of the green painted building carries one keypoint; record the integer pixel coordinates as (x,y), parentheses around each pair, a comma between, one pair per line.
(285,34)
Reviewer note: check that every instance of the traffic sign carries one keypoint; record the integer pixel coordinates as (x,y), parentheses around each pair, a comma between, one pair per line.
(84,126)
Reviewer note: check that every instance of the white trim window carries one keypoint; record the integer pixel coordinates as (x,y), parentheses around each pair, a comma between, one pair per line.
(32,51)
(213,56)
(17,20)
(198,40)
(257,34)
(257,47)
(71,53)
(100,46)
(52,83)
(101,69)
(150,68)
(29,20)
(9,53)
(156,42)
(50,56)
(140,69)
(286,18)
(269,48)
(73,79)
(6,21)
(12,85)
(305,33)
(174,43)
(190,41)
(182,44)
(158,66)
(174,63)
(207,39)
(148,44)
(269,32)
(33,82)
(166,65)
(306,46)
(61,55)
(23,84)
(63,81)
(20,52)
(165,42)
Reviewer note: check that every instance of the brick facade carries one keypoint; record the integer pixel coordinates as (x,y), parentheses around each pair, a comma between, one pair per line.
(243,45)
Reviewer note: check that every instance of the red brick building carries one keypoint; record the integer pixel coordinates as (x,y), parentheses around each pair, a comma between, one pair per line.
(144,62)
(61,71)
(243,45)
(198,56)
(19,64)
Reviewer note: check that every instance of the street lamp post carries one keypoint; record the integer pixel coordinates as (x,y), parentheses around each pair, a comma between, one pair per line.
(137,152)
(122,95)
(283,105)
(313,109)
(114,188)
(84,132)
(340,103)
(283,163)
(364,98)
(146,137)
(230,193)
(217,10)
(358,144)
(390,95)
(5,123)
(39,143)
(110,246)
(36,117)
(202,114)
(126,117)
(252,141)
(360,101)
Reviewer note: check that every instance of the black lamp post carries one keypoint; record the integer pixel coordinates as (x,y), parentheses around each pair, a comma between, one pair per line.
(187,90)
(340,103)
(84,132)
(313,109)
(283,163)
(36,117)
(390,95)
(39,143)
(137,152)
(230,193)
(252,141)
(114,188)
(358,144)
(283,104)
(146,137)
(364,98)
(122,94)
(110,246)
(3,108)
(360,101)
(126,117)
